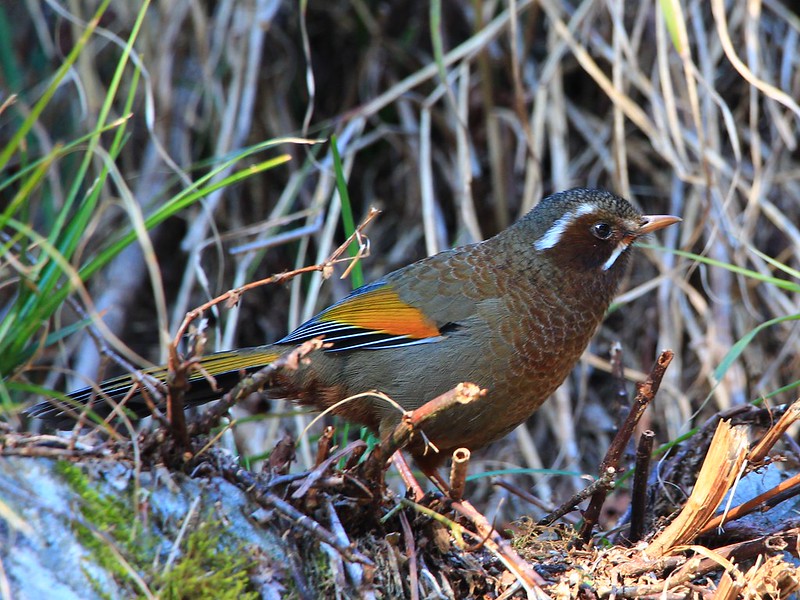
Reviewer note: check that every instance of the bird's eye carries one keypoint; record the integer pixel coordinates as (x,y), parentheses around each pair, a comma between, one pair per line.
(601,230)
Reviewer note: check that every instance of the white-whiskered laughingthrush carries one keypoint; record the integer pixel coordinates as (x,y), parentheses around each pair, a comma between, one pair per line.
(512,314)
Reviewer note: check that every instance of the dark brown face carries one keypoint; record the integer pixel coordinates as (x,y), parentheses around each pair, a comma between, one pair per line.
(595,233)
(592,241)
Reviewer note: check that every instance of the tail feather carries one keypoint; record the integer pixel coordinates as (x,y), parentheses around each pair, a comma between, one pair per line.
(225,368)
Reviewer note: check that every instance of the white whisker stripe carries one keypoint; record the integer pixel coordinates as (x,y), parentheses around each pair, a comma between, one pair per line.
(621,247)
(553,235)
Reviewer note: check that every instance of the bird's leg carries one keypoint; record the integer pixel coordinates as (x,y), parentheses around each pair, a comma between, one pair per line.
(438,481)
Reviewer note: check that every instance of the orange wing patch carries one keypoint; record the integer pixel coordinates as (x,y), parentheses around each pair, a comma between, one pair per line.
(381,310)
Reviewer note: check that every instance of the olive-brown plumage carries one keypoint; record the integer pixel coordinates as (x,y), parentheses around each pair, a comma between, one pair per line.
(512,314)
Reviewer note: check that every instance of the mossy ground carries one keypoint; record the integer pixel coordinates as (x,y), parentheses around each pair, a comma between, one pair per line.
(126,542)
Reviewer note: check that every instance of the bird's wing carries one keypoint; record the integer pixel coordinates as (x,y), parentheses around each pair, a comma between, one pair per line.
(372,317)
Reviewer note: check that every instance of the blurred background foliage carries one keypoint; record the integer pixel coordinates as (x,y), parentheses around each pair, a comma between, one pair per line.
(155,155)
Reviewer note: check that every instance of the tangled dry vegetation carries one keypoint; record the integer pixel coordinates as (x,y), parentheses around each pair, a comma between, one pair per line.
(453,119)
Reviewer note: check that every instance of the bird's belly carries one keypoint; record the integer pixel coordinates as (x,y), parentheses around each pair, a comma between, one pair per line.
(520,364)
(515,387)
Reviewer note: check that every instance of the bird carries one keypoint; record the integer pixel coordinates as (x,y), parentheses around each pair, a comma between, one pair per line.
(512,314)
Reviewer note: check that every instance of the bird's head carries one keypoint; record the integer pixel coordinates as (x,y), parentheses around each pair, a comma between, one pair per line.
(588,232)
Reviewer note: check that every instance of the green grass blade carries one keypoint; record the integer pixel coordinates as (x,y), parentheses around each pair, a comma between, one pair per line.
(174,206)
(737,349)
(768,279)
(347,211)
(776,263)
(8,151)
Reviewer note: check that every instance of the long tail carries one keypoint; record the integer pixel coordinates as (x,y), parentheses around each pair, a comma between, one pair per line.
(225,367)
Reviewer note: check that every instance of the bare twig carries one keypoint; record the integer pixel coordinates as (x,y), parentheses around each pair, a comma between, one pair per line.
(178,383)
(411,554)
(603,483)
(524,495)
(354,569)
(320,470)
(783,491)
(259,492)
(644,396)
(503,550)
(413,422)
(639,495)
(407,475)
(760,451)
(771,544)
(232,296)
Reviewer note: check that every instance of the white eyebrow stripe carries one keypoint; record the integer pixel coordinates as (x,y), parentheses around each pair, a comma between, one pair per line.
(615,255)
(553,235)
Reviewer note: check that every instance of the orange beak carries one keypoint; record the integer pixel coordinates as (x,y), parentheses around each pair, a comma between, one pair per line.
(651,223)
